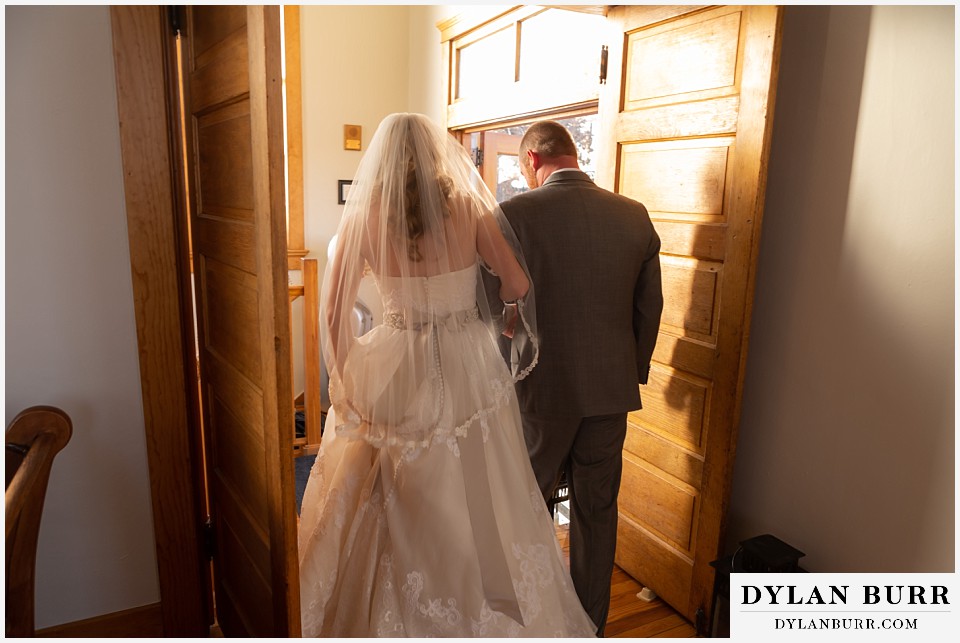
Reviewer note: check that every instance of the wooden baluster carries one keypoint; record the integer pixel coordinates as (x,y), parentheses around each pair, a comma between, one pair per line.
(311,347)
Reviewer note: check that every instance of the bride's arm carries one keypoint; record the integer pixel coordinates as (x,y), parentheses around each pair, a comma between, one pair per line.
(346,272)
(498,254)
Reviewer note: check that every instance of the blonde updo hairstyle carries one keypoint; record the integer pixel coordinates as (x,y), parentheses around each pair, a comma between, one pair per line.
(422,174)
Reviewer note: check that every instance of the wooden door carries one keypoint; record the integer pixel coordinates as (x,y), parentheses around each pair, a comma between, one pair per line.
(687,116)
(494,146)
(232,90)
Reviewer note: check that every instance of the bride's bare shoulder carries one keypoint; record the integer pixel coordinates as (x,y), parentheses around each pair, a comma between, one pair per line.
(462,204)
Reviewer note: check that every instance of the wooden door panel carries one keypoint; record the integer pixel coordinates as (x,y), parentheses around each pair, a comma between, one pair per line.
(228,297)
(636,545)
(226,176)
(235,391)
(233,99)
(685,179)
(678,238)
(660,452)
(697,60)
(220,76)
(219,68)
(235,449)
(690,297)
(231,245)
(242,583)
(212,28)
(689,113)
(696,118)
(674,407)
(663,503)
(695,358)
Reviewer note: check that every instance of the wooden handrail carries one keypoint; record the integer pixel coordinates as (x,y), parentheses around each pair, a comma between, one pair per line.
(34,438)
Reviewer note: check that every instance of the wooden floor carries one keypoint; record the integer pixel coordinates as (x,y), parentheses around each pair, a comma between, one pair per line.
(631,617)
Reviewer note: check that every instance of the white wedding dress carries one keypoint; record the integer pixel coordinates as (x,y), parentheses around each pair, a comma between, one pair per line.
(433,526)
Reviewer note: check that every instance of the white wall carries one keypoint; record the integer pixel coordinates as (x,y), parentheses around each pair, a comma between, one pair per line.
(361,63)
(70,330)
(355,71)
(846,446)
(426,80)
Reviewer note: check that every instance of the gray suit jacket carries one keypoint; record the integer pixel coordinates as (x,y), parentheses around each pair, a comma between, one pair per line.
(594,260)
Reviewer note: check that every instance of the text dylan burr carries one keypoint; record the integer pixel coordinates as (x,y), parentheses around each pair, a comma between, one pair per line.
(837,595)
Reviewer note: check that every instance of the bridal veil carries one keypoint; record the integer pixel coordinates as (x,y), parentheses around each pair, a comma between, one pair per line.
(416,213)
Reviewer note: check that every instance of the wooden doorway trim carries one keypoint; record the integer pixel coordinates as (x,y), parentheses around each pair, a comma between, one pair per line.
(296,247)
(150,190)
(493,146)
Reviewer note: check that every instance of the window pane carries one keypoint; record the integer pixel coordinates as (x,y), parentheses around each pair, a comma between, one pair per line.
(564,42)
(509,180)
(487,64)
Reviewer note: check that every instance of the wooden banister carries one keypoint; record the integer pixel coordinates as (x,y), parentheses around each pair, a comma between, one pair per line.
(34,438)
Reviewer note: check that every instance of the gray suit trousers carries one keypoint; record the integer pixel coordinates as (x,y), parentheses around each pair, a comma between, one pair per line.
(594,466)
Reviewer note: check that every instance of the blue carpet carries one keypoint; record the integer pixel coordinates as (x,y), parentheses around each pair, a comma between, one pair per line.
(301,468)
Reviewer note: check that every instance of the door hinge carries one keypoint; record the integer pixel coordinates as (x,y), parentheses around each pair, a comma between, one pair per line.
(603,64)
(175,16)
(209,543)
(478,157)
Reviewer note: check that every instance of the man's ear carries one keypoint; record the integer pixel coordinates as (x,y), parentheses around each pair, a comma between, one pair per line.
(535,162)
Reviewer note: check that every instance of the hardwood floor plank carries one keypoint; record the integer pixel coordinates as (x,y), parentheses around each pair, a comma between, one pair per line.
(629,616)
(658,627)
(684,631)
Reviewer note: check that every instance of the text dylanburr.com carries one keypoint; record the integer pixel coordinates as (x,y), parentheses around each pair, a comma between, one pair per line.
(844,607)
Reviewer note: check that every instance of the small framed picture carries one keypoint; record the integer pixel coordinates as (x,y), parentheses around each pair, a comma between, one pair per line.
(343,190)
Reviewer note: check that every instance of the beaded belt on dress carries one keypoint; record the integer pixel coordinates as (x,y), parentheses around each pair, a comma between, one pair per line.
(451,321)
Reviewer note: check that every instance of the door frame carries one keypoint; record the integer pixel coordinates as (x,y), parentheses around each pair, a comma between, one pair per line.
(156,228)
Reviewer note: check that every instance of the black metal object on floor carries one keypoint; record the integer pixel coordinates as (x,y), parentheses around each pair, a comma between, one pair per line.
(765,553)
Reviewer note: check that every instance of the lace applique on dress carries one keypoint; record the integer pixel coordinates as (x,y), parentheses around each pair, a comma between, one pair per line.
(536,573)
(491,623)
(431,608)
(389,623)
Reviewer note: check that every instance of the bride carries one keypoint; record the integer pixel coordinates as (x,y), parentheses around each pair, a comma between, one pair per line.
(421,516)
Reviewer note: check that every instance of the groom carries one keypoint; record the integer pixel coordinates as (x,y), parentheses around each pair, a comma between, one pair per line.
(594,260)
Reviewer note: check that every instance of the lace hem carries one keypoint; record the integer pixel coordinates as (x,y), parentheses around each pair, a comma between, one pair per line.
(533,339)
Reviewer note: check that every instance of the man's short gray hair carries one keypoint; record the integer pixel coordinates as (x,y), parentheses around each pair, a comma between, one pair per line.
(549,139)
